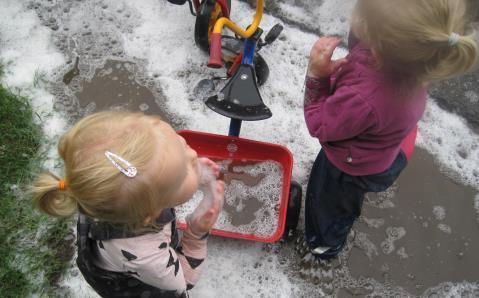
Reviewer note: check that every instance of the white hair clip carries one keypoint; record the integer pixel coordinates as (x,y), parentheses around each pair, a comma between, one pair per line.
(454,39)
(130,171)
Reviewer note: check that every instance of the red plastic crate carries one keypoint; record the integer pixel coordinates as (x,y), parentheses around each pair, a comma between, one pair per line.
(223,147)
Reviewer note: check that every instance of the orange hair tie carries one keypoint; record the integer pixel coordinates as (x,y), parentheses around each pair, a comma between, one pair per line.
(62,184)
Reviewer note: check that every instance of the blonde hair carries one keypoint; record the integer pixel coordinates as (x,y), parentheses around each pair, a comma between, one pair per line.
(93,183)
(413,37)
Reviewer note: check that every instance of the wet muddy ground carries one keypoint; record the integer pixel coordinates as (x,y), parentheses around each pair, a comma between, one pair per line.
(422,234)
(415,239)
(114,85)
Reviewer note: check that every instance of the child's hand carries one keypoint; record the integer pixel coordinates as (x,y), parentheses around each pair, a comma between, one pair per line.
(206,213)
(208,170)
(320,64)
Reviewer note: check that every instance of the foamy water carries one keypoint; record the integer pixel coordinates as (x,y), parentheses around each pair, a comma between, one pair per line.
(158,37)
(268,193)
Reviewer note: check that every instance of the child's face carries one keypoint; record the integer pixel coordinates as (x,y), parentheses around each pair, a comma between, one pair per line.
(178,168)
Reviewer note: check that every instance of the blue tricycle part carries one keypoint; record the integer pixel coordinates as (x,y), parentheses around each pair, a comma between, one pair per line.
(235,128)
(248,51)
(248,56)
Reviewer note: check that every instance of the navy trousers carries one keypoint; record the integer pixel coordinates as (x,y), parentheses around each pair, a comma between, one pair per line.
(334,200)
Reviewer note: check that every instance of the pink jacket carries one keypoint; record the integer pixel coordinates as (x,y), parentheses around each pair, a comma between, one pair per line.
(151,259)
(361,115)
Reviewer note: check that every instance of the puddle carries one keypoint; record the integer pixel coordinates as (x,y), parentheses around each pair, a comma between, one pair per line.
(428,237)
(418,238)
(114,85)
(98,74)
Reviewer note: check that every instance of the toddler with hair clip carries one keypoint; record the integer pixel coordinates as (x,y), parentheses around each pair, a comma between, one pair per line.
(124,174)
(363,107)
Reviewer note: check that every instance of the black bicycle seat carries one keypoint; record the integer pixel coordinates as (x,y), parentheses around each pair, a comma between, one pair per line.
(177,2)
(240,98)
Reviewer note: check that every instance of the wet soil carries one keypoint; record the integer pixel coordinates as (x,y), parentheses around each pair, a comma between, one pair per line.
(440,225)
(114,85)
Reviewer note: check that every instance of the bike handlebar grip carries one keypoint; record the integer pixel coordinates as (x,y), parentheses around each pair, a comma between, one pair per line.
(215,51)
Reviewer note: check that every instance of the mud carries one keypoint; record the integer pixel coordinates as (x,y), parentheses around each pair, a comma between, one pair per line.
(426,236)
(114,85)
(416,239)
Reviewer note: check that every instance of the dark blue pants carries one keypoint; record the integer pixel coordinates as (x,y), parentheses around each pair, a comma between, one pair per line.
(334,200)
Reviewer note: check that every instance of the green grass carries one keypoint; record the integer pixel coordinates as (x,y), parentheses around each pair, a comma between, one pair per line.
(33,252)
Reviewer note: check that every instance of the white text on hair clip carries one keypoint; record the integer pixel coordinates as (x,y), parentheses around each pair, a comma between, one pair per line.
(130,171)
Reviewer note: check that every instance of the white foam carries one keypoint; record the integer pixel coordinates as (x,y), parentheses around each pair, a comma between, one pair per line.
(472,96)
(402,253)
(444,228)
(363,242)
(383,200)
(393,234)
(453,290)
(373,222)
(268,193)
(452,142)
(24,59)
(239,269)
(330,17)
(439,212)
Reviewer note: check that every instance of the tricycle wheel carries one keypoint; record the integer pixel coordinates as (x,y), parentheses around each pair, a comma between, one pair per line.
(208,13)
(261,68)
(294,208)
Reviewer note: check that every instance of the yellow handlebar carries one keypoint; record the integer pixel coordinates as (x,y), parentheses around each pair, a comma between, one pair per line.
(215,38)
(238,30)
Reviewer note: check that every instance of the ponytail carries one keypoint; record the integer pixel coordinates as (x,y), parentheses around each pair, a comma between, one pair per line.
(424,39)
(456,59)
(50,199)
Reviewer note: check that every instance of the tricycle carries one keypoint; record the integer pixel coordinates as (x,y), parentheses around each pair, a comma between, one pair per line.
(240,100)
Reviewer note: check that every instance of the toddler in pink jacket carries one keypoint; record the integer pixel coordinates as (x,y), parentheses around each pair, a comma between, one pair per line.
(361,108)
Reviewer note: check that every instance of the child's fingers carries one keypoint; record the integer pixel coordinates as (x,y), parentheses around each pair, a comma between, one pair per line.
(219,193)
(324,47)
(213,165)
(216,170)
(338,63)
(319,45)
(332,45)
(220,187)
